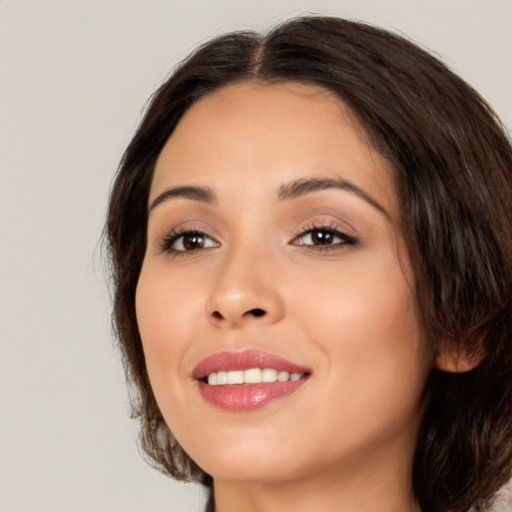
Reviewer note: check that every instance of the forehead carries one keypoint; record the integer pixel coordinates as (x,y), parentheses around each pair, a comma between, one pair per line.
(251,132)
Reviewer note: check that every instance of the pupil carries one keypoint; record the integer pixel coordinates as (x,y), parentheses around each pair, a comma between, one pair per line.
(322,237)
(191,242)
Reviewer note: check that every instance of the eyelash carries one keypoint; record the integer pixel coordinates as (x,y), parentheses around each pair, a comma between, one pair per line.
(329,229)
(326,229)
(176,234)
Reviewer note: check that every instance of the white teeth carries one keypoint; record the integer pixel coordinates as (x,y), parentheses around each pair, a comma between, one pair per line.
(268,375)
(236,377)
(283,376)
(251,376)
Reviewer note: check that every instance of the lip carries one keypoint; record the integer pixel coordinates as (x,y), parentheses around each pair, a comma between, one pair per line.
(231,361)
(246,397)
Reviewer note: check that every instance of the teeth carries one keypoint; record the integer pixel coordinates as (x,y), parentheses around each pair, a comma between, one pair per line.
(235,377)
(251,376)
(283,376)
(268,375)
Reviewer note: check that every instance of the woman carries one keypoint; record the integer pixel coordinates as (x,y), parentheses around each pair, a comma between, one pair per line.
(311,237)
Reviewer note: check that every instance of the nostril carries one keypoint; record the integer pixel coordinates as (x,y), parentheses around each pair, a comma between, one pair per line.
(255,313)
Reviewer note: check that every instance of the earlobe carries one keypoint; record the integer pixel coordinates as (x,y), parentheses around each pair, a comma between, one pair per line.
(457,360)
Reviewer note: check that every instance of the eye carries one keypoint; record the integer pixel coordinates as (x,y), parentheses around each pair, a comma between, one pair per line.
(324,238)
(187,241)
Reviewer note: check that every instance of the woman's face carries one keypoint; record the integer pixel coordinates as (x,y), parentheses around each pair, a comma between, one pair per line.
(273,247)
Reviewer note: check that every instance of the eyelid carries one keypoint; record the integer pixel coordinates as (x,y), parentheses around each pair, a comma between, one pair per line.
(209,242)
(170,236)
(329,226)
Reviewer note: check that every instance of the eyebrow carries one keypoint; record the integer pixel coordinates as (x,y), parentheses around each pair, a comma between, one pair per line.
(305,186)
(202,194)
(293,190)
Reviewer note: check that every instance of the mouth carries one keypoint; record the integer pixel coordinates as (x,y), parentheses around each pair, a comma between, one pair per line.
(243,381)
(251,376)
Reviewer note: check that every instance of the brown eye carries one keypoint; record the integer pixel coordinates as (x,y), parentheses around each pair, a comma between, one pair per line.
(322,237)
(189,241)
(325,238)
(193,241)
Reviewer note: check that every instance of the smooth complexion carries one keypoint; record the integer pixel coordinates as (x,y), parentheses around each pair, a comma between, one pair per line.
(273,227)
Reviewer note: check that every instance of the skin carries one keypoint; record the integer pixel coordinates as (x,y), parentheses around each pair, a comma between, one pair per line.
(345,440)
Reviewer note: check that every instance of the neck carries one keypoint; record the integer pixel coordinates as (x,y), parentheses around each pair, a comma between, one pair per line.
(387,488)
(304,499)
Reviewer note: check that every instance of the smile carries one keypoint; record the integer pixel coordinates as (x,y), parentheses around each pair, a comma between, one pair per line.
(251,376)
(243,381)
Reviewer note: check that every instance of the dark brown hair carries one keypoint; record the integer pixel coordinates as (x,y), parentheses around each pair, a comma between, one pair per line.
(453,176)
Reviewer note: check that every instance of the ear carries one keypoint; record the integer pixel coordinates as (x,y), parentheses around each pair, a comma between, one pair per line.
(454,359)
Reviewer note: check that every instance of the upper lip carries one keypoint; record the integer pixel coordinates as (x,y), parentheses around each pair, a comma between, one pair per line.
(232,361)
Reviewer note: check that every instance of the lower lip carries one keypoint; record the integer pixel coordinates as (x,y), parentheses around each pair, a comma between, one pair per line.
(247,397)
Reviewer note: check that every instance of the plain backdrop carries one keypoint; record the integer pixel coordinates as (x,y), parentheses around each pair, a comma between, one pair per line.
(74,76)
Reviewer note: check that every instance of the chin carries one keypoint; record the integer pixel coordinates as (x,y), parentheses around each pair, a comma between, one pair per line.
(261,470)
(247,458)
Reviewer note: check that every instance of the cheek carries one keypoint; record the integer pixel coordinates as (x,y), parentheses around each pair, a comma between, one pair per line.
(363,294)
(163,322)
(364,320)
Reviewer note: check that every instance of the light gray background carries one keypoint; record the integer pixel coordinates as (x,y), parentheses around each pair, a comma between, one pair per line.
(74,76)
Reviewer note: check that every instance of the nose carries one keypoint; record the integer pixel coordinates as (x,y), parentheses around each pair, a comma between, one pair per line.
(245,292)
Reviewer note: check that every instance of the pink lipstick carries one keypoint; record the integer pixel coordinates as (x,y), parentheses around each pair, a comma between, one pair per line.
(243,381)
